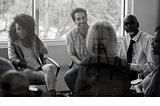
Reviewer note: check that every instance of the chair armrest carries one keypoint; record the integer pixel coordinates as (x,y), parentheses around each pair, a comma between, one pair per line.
(55,63)
(71,64)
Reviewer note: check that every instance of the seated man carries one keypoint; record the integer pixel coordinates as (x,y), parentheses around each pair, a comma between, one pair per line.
(76,44)
(136,48)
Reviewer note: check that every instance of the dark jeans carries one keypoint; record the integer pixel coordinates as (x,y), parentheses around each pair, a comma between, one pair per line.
(70,77)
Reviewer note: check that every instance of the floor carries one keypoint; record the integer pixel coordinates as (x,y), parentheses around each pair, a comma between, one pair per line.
(60,84)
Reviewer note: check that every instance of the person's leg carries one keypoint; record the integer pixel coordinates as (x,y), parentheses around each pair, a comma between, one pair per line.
(138,88)
(134,75)
(146,81)
(153,88)
(47,75)
(34,75)
(70,77)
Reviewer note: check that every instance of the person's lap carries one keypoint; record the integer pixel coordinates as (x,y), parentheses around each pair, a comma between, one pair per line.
(37,75)
(33,75)
(146,81)
(71,76)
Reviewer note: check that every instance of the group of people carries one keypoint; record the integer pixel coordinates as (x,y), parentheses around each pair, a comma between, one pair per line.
(91,46)
(99,69)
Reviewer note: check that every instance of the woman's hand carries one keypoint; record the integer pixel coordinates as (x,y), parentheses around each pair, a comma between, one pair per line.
(37,68)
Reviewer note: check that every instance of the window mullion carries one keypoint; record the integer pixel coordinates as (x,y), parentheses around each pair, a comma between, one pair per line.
(36,14)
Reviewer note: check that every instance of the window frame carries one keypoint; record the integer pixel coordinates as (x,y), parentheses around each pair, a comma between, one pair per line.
(127,5)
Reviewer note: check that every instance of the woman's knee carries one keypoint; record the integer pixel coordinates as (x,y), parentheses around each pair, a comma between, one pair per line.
(48,68)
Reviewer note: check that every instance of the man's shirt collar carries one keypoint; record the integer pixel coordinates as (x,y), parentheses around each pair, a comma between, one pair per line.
(136,38)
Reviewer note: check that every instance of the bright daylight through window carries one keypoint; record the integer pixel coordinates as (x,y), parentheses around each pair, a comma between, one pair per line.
(54,19)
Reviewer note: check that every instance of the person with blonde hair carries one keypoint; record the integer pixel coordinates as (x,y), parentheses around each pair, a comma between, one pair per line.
(103,73)
(99,35)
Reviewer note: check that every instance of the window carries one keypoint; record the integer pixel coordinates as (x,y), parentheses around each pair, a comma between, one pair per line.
(53,16)
(55,20)
(8,9)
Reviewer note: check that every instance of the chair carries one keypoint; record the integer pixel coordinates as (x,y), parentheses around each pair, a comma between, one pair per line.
(53,62)
(71,64)
(39,82)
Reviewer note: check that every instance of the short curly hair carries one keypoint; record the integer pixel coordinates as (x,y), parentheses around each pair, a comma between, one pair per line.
(77,10)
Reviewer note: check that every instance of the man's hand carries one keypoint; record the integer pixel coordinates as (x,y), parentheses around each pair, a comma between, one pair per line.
(141,76)
(75,60)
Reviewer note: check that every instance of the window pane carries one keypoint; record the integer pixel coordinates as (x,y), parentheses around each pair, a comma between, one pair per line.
(55,20)
(9,9)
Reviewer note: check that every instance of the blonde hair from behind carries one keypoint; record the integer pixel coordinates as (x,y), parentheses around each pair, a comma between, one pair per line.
(101,34)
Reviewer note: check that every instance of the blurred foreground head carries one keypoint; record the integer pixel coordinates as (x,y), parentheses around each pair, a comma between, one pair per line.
(5,65)
(13,83)
(101,38)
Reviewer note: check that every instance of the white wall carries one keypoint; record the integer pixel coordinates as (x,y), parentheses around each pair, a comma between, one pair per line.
(147,14)
(59,53)
(145,10)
